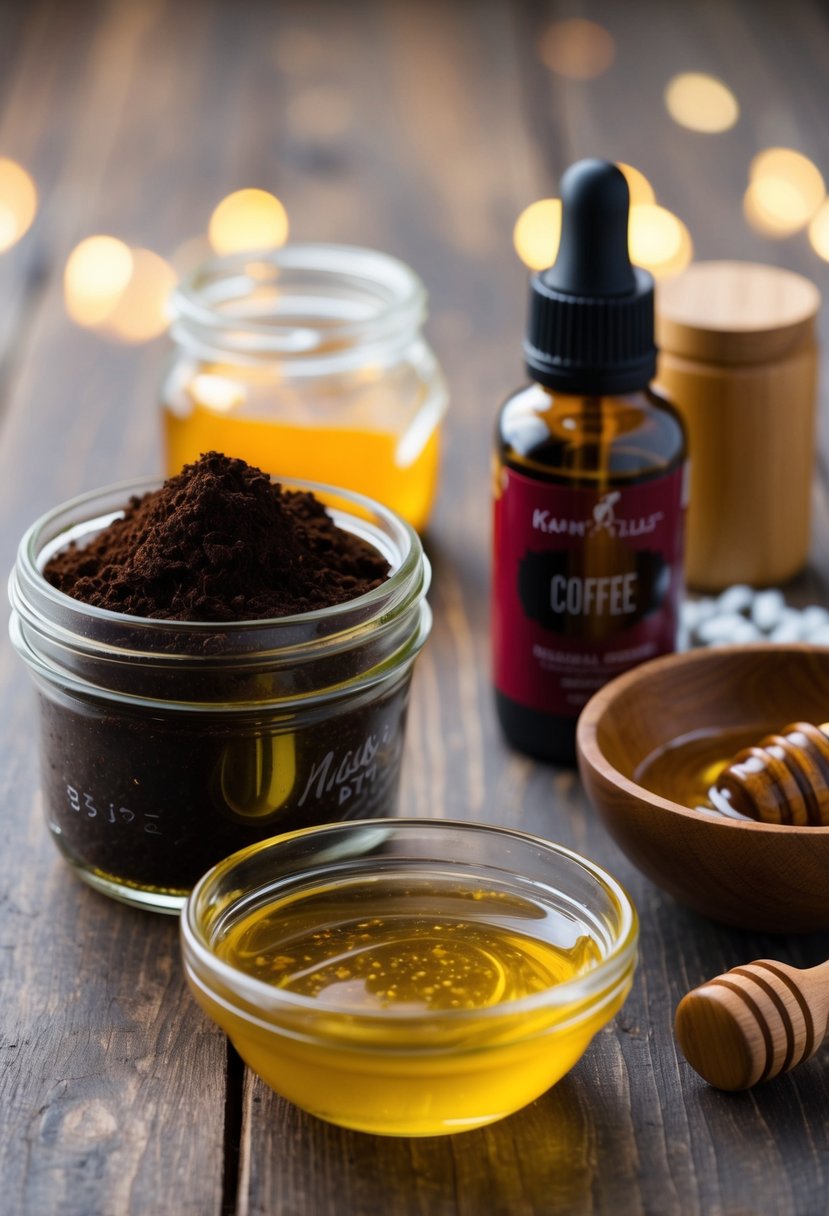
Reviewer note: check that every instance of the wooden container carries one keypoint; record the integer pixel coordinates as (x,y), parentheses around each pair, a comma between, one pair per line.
(766,877)
(739,359)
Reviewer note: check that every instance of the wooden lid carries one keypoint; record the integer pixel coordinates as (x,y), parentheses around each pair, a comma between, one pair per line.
(735,312)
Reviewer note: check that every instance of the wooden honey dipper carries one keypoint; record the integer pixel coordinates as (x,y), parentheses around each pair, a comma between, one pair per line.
(754,1022)
(784,779)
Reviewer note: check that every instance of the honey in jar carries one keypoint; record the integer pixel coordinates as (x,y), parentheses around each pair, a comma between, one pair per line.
(309,362)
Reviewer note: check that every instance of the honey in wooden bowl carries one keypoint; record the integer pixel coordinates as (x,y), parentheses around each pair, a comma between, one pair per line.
(781,778)
(687,769)
(652,743)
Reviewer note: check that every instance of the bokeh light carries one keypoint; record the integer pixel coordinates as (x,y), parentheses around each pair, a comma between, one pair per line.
(216,392)
(819,232)
(701,103)
(18,202)
(95,277)
(784,192)
(248,219)
(577,49)
(641,191)
(537,232)
(658,240)
(774,207)
(120,292)
(140,312)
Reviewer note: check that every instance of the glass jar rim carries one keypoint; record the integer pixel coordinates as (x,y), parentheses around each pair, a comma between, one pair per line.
(31,548)
(348,301)
(594,983)
(95,651)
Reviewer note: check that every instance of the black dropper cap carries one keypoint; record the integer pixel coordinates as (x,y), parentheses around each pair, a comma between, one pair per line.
(590,325)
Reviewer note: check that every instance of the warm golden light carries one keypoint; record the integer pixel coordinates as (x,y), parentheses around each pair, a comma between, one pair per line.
(819,232)
(701,103)
(785,191)
(248,219)
(140,312)
(658,240)
(95,277)
(641,191)
(18,202)
(578,49)
(537,232)
(218,393)
(774,207)
(8,227)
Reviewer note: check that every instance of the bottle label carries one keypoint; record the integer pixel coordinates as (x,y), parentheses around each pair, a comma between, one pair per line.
(586,583)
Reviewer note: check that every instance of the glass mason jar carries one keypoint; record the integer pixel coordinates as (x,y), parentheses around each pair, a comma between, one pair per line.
(166,745)
(308,361)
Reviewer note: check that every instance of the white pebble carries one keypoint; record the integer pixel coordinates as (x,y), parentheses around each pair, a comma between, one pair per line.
(793,619)
(684,629)
(735,599)
(704,608)
(812,618)
(689,614)
(725,628)
(788,630)
(746,632)
(767,609)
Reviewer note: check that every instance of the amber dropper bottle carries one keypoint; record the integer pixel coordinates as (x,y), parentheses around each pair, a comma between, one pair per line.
(589,482)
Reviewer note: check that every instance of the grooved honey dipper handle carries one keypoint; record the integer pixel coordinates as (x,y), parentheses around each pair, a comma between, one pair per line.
(783,779)
(754,1022)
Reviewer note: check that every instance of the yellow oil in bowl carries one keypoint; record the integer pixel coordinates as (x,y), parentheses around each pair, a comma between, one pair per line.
(417,996)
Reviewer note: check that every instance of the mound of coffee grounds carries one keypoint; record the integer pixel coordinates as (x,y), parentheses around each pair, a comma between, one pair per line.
(219,542)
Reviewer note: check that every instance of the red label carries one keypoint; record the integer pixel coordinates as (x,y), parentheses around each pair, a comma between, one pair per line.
(586,583)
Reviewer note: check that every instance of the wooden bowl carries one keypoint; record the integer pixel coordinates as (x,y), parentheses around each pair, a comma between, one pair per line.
(756,876)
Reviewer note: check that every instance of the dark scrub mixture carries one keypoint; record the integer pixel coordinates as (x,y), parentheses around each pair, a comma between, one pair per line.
(219,542)
(153,796)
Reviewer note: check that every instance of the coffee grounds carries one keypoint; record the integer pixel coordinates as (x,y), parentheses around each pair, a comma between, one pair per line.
(219,542)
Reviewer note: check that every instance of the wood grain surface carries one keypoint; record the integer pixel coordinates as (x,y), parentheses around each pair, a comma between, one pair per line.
(422,128)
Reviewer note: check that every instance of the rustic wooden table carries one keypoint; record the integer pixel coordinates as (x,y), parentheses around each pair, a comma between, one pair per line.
(422,128)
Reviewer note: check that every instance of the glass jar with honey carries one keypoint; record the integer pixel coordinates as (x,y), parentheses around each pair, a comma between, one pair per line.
(309,361)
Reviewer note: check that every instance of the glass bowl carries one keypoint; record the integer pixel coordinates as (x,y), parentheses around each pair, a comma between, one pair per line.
(409,976)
